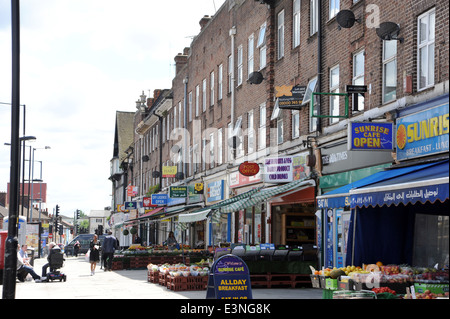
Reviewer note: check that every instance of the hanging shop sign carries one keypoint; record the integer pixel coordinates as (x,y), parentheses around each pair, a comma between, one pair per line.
(178,191)
(215,191)
(169,171)
(370,136)
(249,169)
(286,169)
(229,279)
(290,97)
(423,133)
(159,199)
(130,205)
(132,190)
(198,188)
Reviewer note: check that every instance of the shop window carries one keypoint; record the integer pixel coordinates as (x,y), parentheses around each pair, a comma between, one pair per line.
(431,240)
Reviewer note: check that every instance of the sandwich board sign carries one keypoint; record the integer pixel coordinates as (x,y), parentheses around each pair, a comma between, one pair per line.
(229,278)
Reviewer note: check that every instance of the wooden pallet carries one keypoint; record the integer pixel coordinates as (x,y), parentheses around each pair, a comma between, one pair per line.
(269,280)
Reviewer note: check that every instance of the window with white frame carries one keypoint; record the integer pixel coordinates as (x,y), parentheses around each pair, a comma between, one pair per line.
(175,123)
(425,50)
(179,112)
(280,34)
(295,123)
(250,134)
(219,147)
(190,106)
(250,58)
(313,16)
(334,88)
(230,156)
(334,8)
(220,83)
(211,150)
(164,129)
(240,64)
(262,127)
(230,73)
(168,125)
(196,158)
(197,100)
(204,94)
(296,23)
(262,47)
(211,84)
(358,78)
(389,71)
(239,134)
(310,88)
(280,128)
(204,154)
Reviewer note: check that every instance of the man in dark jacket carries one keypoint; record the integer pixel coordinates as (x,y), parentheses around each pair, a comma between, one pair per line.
(108,248)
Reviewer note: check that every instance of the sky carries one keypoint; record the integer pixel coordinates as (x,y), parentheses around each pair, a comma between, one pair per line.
(81,61)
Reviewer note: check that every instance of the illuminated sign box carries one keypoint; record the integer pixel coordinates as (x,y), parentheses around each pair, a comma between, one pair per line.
(370,136)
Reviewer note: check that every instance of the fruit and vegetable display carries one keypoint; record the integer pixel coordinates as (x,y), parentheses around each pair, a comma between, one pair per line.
(178,270)
(395,281)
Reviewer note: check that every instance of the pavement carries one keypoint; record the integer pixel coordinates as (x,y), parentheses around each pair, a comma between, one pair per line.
(126,284)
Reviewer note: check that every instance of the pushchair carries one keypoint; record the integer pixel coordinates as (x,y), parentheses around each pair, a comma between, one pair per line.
(56,261)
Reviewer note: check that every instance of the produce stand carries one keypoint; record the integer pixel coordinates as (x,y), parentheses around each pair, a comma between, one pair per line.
(387,282)
(179,277)
(138,257)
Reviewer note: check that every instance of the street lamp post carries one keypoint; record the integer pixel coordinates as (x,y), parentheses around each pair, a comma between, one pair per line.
(9,275)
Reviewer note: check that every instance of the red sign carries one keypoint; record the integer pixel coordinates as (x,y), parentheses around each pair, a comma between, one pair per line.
(147,202)
(249,169)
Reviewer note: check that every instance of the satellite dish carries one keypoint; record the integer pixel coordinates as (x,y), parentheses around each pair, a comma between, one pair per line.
(255,78)
(389,31)
(179,176)
(346,19)
(145,158)
(155,174)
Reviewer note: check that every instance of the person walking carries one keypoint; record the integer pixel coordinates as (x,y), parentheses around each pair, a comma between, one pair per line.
(76,248)
(94,253)
(109,246)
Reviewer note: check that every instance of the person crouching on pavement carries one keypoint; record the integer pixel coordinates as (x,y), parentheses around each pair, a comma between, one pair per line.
(23,264)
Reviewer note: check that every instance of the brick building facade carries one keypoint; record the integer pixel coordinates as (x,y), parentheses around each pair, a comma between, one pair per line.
(289,43)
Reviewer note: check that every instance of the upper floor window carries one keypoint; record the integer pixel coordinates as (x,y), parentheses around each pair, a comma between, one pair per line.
(358,78)
(280,33)
(313,16)
(211,84)
(262,47)
(240,64)
(389,70)
(204,94)
(334,99)
(220,83)
(425,43)
(296,24)
(250,60)
(334,8)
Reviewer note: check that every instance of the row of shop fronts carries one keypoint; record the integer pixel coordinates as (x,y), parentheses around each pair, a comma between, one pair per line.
(387,201)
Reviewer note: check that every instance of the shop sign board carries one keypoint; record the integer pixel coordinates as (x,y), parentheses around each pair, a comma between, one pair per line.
(286,169)
(423,133)
(178,191)
(215,191)
(169,171)
(132,190)
(159,199)
(236,179)
(130,205)
(229,279)
(290,97)
(370,136)
(249,169)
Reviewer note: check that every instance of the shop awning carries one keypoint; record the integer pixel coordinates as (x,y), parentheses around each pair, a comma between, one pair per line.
(340,197)
(428,184)
(266,194)
(193,217)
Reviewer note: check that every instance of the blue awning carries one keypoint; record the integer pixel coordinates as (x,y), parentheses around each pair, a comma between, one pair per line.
(427,184)
(340,197)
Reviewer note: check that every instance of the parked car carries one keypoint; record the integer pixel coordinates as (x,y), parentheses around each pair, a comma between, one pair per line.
(84,240)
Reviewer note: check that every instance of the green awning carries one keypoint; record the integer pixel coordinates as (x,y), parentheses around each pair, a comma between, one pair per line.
(265,194)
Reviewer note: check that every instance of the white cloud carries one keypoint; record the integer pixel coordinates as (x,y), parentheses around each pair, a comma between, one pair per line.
(81,60)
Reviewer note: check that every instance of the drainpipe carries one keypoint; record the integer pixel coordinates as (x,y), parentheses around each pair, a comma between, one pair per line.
(160,150)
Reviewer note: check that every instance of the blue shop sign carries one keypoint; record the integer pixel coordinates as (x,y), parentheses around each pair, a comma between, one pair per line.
(159,199)
(423,133)
(215,191)
(229,279)
(370,136)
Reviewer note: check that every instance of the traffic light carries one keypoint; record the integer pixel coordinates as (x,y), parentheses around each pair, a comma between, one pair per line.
(78,214)
(61,230)
(57,211)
